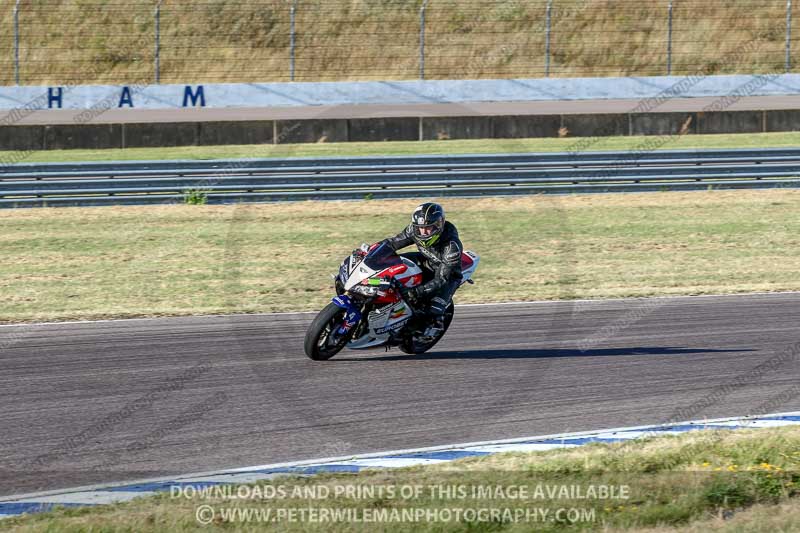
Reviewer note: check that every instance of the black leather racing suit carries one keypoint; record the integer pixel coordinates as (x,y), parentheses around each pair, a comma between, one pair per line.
(442,260)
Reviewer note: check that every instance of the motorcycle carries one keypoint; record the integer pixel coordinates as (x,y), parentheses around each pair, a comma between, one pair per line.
(369,309)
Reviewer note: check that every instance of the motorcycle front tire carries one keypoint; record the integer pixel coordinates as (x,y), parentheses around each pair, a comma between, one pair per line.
(330,318)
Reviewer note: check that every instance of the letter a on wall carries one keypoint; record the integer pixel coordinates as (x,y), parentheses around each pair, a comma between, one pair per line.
(125,98)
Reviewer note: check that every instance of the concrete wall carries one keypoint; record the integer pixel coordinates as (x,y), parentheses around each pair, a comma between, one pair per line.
(390,129)
(731,122)
(782,120)
(595,125)
(662,123)
(96,99)
(383,129)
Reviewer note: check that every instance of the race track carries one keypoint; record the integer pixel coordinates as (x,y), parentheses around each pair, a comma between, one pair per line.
(116,401)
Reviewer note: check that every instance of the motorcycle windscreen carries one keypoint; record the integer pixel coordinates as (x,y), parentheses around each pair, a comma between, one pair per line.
(382,257)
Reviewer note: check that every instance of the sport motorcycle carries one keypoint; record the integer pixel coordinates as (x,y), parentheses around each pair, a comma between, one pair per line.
(369,309)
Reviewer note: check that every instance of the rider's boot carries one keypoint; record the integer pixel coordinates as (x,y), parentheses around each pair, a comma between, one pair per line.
(434,329)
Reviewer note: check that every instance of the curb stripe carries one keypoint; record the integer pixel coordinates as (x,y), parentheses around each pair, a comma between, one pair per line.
(11,509)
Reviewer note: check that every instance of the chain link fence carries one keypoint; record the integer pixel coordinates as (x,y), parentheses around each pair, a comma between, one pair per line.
(177,41)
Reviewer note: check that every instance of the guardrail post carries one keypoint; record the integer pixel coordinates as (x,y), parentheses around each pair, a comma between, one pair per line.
(669,39)
(292,16)
(547,28)
(422,39)
(16,42)
(788,35)
(158,42)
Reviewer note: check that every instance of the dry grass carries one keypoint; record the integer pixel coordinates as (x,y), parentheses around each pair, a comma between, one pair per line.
(81,263)
(221,40)
(771,450)
(780,518)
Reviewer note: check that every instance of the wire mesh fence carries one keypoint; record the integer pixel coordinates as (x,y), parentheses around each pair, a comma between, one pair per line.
(180,41)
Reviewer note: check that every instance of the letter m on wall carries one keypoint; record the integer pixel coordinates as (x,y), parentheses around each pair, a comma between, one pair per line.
(194,97)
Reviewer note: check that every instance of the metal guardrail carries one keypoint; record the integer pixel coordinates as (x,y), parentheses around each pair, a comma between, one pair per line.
(258,180)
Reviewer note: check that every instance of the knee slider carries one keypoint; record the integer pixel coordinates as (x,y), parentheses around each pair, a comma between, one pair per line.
(438,305)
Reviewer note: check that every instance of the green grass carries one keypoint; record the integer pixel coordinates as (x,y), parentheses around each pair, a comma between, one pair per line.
(761,140)
(195,197)
(82,263)
(726,481)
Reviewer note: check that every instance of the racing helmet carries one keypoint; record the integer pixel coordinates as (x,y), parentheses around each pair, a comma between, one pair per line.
(428,223)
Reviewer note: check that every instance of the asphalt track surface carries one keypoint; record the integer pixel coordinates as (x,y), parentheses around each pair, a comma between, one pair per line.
(85,403)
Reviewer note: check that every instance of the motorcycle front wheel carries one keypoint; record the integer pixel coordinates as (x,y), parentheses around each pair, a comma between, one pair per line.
(322,341)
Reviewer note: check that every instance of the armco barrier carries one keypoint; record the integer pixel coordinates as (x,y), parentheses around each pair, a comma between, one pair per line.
(255,180)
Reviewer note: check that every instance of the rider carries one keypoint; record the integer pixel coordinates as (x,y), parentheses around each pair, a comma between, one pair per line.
(439,254)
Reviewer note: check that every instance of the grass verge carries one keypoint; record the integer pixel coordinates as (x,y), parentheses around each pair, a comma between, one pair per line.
(86,263)
(685,142)
(746,480)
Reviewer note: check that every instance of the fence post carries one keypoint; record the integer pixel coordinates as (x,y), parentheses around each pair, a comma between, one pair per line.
(669,39)
(547,25)
(788,35)
(16,42)
(422,39)
(158,42)
(292,15)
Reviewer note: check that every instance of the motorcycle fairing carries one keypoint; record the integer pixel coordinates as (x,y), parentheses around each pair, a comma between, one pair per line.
(353,313)
(382,322)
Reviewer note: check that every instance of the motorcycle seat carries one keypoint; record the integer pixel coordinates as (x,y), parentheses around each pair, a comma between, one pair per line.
(466,261)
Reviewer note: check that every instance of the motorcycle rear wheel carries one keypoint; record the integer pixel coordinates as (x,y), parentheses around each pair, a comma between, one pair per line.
(321,342)
(412,346)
